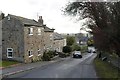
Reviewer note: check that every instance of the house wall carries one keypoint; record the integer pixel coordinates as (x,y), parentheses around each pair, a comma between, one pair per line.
(48,41)
(59,44)
(12,37)
(33,42)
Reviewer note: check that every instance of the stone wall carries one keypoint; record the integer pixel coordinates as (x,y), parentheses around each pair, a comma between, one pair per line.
(58,45)
(12,37)
(33,43)
(48,41)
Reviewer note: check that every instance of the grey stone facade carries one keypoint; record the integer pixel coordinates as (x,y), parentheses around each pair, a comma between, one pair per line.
(17,39)
(48,38)
(25,40)
(59,42)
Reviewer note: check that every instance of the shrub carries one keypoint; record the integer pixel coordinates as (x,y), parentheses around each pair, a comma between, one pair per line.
(51,54)
(46,57)
(84,49)
(67,49)
(76,47)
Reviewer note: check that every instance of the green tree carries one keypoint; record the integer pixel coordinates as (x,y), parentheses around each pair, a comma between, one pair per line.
(70,40)
(90,42)
(76,47)
(2,15)
(103,19)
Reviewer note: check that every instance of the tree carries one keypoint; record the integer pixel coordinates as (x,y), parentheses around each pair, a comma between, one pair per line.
(2,15)
(103,19)
(76,47)
(90,42)
(70,40)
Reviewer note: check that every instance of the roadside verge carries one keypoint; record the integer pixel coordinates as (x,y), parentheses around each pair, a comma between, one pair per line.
(106,70)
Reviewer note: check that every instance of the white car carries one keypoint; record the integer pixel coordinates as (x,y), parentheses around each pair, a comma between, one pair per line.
(77,54)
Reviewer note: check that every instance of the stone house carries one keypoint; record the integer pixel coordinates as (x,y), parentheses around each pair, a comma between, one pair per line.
(48,38)
(22,38)
(59,42)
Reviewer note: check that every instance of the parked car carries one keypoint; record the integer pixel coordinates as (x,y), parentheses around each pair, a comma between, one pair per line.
(89,51)
(94,51)
(77,54)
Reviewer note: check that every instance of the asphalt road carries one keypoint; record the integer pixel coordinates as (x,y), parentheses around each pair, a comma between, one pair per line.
(68,68)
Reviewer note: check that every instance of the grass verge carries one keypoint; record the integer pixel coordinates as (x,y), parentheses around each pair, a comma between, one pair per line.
(7,63)
(106,70)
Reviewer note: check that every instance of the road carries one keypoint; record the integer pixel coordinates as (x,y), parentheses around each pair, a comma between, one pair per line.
(68,68)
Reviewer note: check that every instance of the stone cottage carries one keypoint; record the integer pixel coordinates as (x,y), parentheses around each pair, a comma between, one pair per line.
(59,42)
(22,38)
(48,38)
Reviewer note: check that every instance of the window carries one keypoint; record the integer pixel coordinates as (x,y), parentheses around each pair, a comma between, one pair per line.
(30,31)
(39,31)
(51,37)
(39,52)
(9,53)
(30,53)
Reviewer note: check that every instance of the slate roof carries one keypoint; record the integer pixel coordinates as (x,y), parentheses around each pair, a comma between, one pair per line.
(46,29)
(25,21)
(57,36)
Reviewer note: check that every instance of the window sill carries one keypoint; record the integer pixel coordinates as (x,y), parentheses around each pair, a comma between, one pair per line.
(9,57)
(39,34)
(30,34)
(39,54)
(31,56)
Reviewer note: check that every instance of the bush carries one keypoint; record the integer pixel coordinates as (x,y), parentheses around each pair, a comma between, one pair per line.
(76,47)
(63,55)
(67,49)
(46,57)
(84,49)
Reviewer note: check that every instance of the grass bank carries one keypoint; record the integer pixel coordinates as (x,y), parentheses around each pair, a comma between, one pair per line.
(106,70)
(7,63)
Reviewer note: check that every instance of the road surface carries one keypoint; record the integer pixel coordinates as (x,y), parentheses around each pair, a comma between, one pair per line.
(68,68)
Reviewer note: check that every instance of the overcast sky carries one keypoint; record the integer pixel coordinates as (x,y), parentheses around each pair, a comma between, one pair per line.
(49,9)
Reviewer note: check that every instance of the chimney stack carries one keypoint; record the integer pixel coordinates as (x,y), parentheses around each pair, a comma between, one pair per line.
(40,20)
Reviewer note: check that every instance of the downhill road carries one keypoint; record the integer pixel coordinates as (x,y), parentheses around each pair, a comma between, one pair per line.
(68,68)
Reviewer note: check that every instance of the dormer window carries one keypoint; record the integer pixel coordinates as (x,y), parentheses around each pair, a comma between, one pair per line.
(30,31)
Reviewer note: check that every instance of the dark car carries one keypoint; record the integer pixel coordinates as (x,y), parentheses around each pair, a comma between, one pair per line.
(77,54)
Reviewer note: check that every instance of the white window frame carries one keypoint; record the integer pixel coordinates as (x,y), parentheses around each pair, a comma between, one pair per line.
(38,52)
(51,36)
(31,54)
(8,52)
(30,31)
(39,31)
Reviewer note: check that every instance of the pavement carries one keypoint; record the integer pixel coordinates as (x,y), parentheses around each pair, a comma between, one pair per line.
(60,68)
(25,67)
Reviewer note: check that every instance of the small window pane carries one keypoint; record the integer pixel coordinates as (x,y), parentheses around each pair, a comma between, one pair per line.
(30,30)
(10,54)
(39,31)
(9,49)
